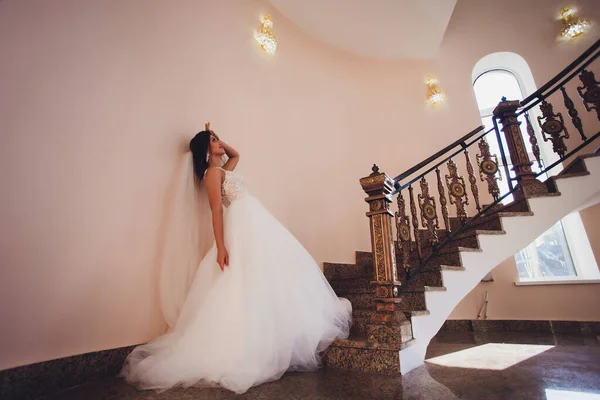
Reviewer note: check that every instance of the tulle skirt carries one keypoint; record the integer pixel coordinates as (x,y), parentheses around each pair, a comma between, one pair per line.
(270,311)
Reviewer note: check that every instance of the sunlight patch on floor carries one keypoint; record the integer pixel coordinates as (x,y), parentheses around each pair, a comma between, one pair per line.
(552,394)
(492,356)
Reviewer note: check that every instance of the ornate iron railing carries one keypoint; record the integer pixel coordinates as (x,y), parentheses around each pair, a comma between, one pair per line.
(418,233)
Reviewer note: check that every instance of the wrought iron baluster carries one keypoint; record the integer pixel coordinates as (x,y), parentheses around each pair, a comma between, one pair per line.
(509,179)
(472,181)
(403,232)
(553,128)
(573,113)
(488,168)
(457,191)
(415,221)
(429,217)
(590,92)
(533,140)
(443,201)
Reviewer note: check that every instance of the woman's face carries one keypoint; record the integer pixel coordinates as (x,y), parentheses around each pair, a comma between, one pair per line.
(215,146)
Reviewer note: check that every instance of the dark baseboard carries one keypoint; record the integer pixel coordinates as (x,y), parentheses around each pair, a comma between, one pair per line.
(37,380)
(585,328)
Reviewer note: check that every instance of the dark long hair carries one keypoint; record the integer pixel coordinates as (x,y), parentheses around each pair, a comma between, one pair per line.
(199,147)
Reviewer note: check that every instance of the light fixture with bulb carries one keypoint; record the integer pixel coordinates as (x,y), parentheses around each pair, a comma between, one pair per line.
(574,26)
(435,95)
(265,36)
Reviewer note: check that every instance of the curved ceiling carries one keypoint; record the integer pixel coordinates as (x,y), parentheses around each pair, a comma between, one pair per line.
(390,29)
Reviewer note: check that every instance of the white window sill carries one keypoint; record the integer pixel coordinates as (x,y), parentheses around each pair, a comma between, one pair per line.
(577,281)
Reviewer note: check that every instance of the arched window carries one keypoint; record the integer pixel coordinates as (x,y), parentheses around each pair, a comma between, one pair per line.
(507,74)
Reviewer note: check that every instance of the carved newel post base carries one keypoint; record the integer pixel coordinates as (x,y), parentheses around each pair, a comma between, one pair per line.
(386,321)
(527,184)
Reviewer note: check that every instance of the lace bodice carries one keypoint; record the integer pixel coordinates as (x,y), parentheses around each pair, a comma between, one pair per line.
(233,187)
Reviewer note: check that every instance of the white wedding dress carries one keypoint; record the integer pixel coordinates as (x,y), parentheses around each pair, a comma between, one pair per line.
(270,311)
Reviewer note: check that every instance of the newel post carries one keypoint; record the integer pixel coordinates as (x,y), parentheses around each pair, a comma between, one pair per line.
(527,183)
(379,187)
(387,324)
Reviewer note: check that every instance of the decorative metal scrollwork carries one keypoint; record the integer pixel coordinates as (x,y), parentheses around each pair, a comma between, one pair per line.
(403,232)
(573,113)
(488,168)
(415,222)
(457,191)
(472,181)
(533,140)
(429,218)
(443,201)
(553,128)
(590,92)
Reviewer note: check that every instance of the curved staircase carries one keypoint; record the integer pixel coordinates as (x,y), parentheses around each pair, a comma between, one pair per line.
(405,289)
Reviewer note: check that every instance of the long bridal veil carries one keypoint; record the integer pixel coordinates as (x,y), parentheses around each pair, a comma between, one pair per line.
(188,237)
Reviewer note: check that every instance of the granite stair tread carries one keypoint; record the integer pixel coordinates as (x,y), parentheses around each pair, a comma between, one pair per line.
(452,268)
(571,175)
(435,289)
(498,214)
(476,232)
(454,249)
(361,342)
(416,313)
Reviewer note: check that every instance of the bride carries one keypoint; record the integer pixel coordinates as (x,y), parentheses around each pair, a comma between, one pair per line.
(256,306)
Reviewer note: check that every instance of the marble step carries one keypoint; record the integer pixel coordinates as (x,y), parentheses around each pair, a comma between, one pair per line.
(363,266)
(358,354)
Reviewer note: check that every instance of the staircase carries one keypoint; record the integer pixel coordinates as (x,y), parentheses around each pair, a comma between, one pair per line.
(404,290)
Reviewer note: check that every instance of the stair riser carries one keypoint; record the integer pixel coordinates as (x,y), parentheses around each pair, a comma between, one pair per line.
(413,301)
(521,206)
(431,276)
(360,319)
(363,266)
(359,328)
(356,283)
(360,301)
(391,334)
(365,360)
(577,166)
(365,260)
(426,279)
(468,241)
(337,271)
(485,223)
(449,258)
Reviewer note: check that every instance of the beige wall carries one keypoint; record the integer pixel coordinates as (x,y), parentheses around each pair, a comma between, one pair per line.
(100,97)
(548,302)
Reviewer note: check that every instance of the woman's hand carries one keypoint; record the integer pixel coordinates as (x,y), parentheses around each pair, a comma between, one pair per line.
(233,155)
(207,128)
(222,258)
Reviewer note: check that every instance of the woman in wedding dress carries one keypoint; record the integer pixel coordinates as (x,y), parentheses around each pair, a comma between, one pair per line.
(256,306)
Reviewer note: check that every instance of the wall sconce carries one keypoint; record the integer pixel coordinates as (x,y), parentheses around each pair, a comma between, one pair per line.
(574,26)
(435,94)
(265,36)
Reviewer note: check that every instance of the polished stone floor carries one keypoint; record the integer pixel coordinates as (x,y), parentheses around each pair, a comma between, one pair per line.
(459,366)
